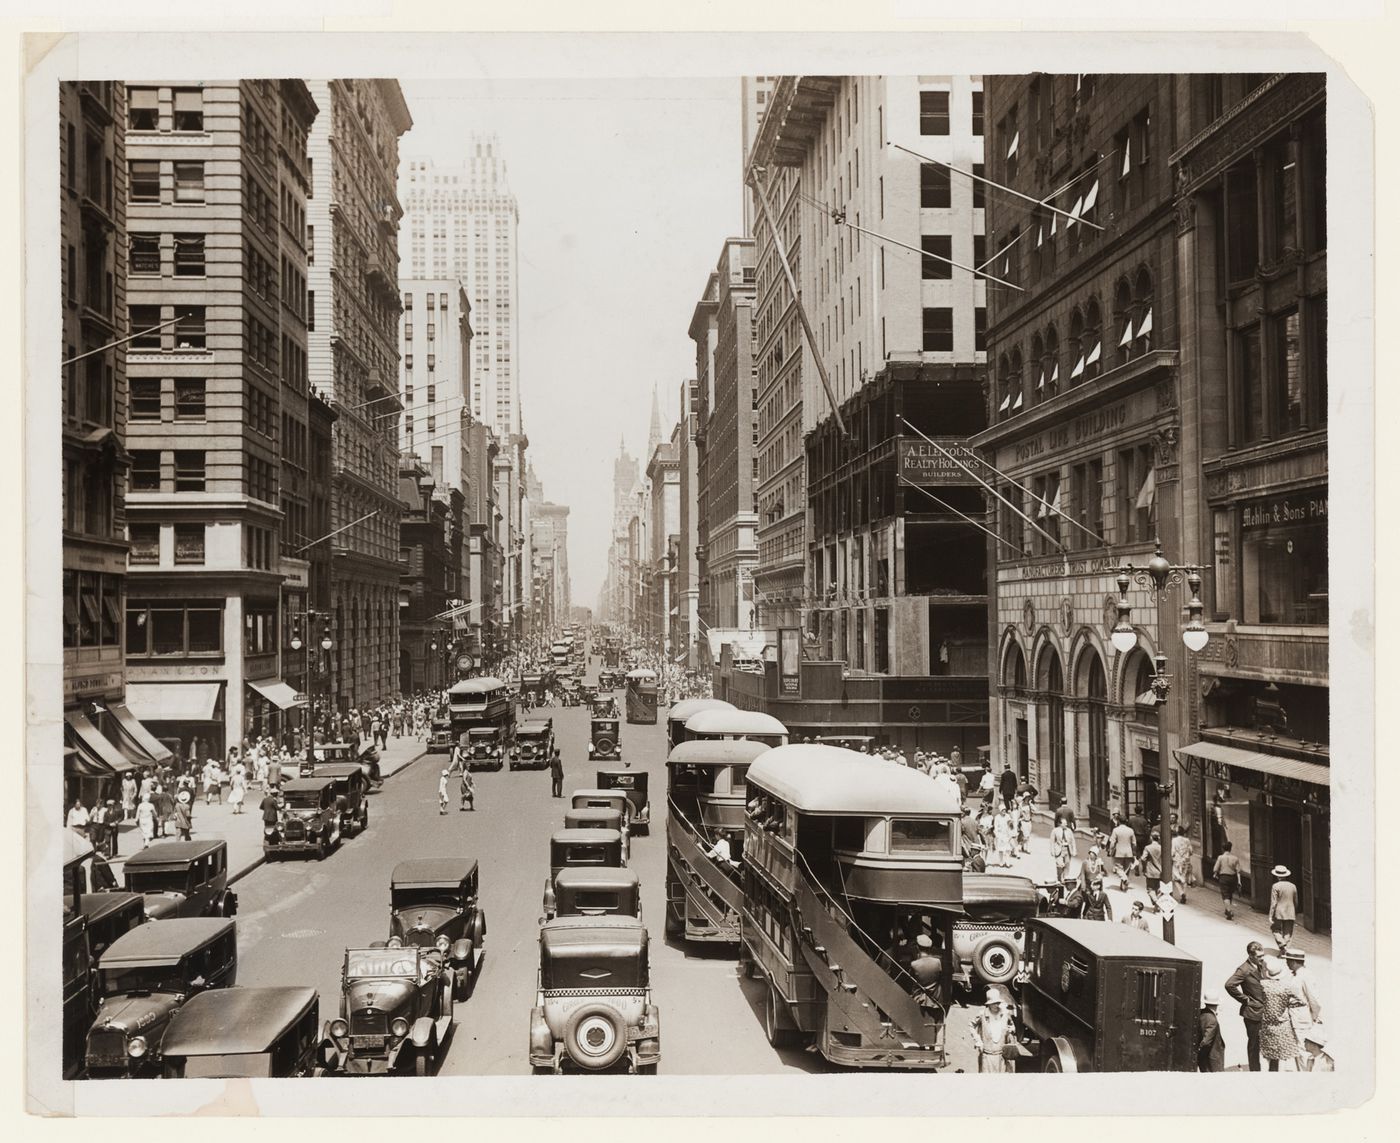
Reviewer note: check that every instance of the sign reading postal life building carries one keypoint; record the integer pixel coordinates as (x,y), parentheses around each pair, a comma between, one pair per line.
(922,463)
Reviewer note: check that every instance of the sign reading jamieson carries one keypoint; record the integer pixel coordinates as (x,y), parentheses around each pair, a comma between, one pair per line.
(921,463)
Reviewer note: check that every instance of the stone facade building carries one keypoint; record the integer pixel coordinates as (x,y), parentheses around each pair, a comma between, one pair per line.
(354,218)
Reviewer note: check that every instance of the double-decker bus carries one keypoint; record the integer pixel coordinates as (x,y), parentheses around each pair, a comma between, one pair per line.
(848,860)
(676,717)
(483,701)
(705,792)
(753,725)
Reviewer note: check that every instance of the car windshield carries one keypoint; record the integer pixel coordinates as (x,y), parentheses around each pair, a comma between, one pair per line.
(622,971)
(158,880)
(228,1067)
(302,799)
(583,855)
(427,897)
(142,978)
(363,963)
(482,733)
(921,835)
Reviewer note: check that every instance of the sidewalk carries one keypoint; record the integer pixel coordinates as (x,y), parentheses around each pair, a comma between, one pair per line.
(1201,929)
(243,832)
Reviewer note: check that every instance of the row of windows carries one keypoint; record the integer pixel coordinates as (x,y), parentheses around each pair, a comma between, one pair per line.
(174,630)
(91,609)
(183,111)
(934,116)
(148,399)
(148,255)
(146,183)
(1067,506)
(938,329)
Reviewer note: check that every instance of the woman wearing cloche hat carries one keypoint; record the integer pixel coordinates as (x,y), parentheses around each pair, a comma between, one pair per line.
(993,1031)
(1283,905)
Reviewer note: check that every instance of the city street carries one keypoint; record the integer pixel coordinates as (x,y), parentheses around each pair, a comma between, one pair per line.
(297,917)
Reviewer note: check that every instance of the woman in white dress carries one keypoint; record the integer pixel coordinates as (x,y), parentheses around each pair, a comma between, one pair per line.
(146,820)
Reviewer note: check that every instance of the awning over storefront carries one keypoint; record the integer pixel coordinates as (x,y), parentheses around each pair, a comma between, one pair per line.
(98,756)
(1293,768)
(173,702)
(278,693)
(139,736)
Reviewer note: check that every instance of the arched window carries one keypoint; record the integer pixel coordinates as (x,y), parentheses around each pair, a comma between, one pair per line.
(1054,682)
(1123,320)
(1092,340)
(1014,671)
(1003,390)
(1052,362)
(1018,397)
(1142,312)
(1076,349)
(1096,692)
(1038,392)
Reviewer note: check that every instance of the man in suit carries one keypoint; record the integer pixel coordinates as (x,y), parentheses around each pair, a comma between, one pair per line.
(1245,987)
(1283,905)
(1210,1051)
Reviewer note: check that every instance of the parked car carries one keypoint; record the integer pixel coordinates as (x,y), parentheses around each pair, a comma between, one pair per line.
(581,847)
(144,978)
(79,992)
(583,891)
(485,747)
(233,1033)
(435,903)
(351,795)
(109,916)
(593,1009)
(534,742)
(633,783)
(1108,998)
(182,879)
(395,1011)
(309,821)
(988,939)
(604,744)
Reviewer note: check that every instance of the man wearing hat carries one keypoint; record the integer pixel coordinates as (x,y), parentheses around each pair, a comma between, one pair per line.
(927,969)
(1306,1016)
(184,815)
(1283,905)
(1210,1049)
(992,1033)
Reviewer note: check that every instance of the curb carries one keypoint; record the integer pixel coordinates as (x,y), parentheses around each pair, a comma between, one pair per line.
(234,878)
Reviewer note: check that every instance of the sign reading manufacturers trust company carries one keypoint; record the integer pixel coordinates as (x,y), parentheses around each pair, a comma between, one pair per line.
(921,463)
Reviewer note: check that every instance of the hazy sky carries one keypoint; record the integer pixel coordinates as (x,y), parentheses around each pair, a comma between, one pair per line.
(626,190)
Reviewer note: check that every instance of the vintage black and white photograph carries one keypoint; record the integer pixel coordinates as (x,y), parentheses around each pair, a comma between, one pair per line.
(599,574)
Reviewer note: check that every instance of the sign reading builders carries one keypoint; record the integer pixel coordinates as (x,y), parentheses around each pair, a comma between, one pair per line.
(921,463)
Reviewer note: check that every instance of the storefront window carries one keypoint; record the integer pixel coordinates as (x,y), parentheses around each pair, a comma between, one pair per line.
(1284,560)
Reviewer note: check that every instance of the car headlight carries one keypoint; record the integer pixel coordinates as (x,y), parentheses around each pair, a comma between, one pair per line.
(136,1047)
(442,944)
(399,1027)
(339,1028)
(394,943)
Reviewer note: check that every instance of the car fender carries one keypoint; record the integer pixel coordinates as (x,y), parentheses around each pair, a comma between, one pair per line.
(477,929)
(228,903)
(1065,1048)
(423,1031)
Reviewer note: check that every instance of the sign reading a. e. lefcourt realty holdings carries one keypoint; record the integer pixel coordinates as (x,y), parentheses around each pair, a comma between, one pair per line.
(929,463)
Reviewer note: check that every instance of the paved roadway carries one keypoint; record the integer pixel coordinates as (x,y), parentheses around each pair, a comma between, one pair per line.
(297,917)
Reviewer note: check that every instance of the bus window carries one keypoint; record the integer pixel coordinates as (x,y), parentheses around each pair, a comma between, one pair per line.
(921,835)
(848,834)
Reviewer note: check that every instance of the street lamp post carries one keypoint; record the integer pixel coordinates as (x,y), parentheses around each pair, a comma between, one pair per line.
(1160,575)
(326,644)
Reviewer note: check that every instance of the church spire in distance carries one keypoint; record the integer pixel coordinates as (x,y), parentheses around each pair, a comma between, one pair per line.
(654,435)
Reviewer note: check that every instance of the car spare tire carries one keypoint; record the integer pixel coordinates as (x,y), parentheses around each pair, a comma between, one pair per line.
(995,959)
(595,1037)
(603,744)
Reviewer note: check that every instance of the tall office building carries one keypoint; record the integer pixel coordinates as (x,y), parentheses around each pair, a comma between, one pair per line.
(435,336)
(353,220)
(461,223)
(219,430)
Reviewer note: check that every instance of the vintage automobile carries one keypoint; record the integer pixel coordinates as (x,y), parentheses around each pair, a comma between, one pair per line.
(595,817)
(351,795)
(1108,998)
(440,736)
(534,742)
(435,903)
(109,916)
(535,684)
(236,1033)
(596,891)
(323,753)
(633,783)
(581,847)
(593,1010)
(610,680)
(182,879)
(485,747)
(395,1011)
(988,938)
(309,821)
(604,706)
(144,978)
(604,745)
(79,992)
(607,800)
